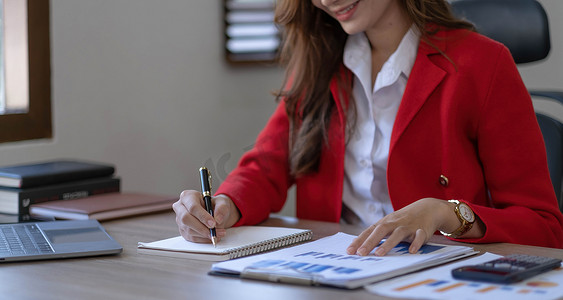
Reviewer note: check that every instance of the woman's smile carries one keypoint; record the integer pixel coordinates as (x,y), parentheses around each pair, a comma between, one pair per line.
(347,12)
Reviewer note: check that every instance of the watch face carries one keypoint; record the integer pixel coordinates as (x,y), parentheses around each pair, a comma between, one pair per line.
(466,213)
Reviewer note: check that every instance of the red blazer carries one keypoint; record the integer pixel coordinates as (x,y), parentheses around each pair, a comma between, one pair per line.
(465,130)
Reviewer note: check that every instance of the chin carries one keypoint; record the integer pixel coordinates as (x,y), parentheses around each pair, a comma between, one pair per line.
(351,29)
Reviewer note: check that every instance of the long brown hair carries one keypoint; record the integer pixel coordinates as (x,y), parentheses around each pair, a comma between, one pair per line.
(312,50)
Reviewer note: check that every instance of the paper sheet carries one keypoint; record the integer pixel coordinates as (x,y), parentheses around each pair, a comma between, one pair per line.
(438,283)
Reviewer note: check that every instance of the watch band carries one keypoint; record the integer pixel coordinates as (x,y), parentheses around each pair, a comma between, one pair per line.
(466,221)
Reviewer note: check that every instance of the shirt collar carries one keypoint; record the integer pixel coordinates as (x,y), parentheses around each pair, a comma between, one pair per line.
(405,55)
(357,57)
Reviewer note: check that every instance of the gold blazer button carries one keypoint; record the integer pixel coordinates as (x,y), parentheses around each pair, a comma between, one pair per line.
(444,181)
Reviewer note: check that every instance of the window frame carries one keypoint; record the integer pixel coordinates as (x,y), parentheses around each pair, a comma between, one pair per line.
(36,123)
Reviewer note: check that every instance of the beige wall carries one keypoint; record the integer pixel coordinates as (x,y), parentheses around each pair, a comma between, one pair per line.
(143,84)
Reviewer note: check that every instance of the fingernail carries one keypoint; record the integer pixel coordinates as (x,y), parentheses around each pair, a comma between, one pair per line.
(350,250)
(210,223)
(362,251)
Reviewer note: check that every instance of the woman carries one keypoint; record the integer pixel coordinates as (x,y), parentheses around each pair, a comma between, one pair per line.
(392,108)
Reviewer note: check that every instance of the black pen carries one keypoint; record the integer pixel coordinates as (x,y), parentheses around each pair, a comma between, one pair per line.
(205,177)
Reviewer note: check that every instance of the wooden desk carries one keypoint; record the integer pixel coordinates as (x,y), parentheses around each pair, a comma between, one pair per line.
(135,276)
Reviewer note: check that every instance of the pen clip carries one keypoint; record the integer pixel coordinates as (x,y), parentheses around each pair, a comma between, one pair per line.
(209,180)
(205,178)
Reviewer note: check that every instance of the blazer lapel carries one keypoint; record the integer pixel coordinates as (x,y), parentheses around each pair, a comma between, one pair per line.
(424,78)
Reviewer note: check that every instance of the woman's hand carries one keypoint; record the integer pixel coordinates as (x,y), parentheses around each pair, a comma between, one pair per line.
(414,223)
(194,221)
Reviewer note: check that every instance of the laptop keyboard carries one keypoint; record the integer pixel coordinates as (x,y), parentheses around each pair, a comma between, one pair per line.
(22,239)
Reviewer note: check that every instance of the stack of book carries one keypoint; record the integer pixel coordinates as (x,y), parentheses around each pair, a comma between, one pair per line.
(27,184)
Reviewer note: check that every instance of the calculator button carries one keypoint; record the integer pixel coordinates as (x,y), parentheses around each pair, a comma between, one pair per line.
(503,265)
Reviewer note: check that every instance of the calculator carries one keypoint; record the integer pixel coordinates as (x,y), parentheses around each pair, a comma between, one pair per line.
(508,269)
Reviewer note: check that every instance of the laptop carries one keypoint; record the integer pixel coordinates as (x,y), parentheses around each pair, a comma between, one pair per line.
(55,239)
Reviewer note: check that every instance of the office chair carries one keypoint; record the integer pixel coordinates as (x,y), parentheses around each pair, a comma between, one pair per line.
(522,26)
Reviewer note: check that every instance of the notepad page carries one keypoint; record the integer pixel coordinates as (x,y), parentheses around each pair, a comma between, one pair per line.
(236,237)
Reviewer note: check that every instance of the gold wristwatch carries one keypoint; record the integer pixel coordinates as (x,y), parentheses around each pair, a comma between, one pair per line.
(465,216)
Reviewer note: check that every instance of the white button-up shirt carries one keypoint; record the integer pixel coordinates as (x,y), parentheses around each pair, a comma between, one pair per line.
(365,190)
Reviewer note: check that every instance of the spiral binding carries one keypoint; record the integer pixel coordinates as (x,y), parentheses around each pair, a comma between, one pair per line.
(270,244)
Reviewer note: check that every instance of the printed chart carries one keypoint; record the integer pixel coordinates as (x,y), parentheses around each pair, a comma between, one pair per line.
(337,259)
(325,261)
(439,284)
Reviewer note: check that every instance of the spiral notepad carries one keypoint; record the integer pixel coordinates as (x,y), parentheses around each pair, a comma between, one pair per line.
(239,242)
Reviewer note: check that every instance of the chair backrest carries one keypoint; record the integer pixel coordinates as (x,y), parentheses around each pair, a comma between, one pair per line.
(521,25)
(549,109)
(553,136)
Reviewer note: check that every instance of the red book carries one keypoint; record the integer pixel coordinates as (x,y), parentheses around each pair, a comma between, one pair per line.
(104,207)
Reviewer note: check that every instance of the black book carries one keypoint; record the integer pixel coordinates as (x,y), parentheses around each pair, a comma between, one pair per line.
(17,201)
(51,172)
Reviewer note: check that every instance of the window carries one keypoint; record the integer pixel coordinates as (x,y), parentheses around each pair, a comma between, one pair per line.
(250,32)
(25,67)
